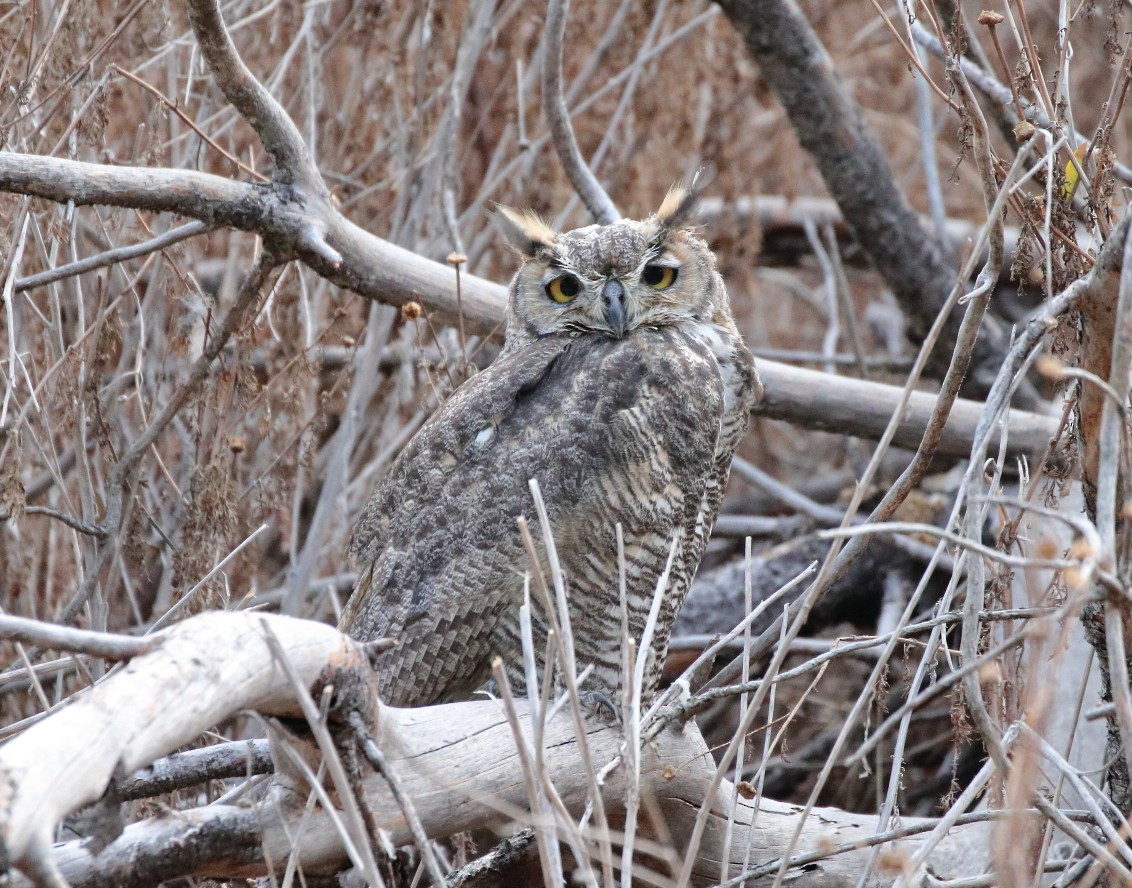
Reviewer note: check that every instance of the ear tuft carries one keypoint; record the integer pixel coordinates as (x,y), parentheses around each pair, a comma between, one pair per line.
(525,230)
(679,204)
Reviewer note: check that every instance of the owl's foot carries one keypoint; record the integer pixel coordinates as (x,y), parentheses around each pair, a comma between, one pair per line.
(600,708)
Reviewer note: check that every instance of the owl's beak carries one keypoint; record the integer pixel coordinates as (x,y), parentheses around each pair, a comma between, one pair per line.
(613,306)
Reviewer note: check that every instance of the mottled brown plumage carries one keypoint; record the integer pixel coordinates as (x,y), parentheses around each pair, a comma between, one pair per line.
(623,389)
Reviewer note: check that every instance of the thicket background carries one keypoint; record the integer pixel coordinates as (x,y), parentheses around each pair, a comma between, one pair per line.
(405,105)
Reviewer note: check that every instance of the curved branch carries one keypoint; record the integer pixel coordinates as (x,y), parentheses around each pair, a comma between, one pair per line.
(64,638)
(589,189)
(278,133)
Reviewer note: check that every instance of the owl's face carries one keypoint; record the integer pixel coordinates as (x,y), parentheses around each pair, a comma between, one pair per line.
(607,279)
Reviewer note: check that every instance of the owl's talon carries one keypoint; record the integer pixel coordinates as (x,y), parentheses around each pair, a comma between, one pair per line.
(600,707)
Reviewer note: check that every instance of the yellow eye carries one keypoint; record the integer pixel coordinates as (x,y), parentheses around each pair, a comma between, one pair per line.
(564,289)
(659,277)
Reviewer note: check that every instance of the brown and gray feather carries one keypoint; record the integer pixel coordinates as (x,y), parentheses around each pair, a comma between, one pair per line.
(627,418)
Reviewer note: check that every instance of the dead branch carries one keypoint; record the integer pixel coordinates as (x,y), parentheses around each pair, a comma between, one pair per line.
(380,270)
(782,222)
(1002,97)
(161,701)
(558,120)
(859,407)
(457,762)
(829,126)
(64,638)
(278,133)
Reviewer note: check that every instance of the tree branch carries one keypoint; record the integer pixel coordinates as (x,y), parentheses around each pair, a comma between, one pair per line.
(589,189)
(64,638)
(830,127)
(278,133)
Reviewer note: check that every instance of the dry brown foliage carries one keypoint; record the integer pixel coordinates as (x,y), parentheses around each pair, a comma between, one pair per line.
(265,468)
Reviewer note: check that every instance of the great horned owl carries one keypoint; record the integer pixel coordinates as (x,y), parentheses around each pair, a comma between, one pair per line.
(623,388)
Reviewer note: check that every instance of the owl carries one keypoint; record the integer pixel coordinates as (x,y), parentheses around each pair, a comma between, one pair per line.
(623,388)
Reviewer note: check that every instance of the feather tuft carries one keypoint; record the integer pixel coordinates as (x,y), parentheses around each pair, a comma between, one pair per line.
(525,230)
(680,203)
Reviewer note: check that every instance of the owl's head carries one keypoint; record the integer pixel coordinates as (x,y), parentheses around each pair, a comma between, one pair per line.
(611,279)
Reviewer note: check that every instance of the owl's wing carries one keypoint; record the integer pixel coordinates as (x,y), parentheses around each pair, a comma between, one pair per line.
(422,471)
(438,548)
(741,388)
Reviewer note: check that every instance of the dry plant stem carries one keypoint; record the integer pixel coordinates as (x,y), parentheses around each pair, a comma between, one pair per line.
(913,474)
(375,757)
(549,854)
(63,638)
(912,56)
(957,540)
(1078,295)
(967,798)
(120,477)
(982,80)
(1091,796)
(570,670)
(595,198)
(352,804)
(740,737)
(829,126)
(838,561)
(973,604)
(289,755)
(1110,487)
(1005,68)
(477,27)
(851,647)
(172,106)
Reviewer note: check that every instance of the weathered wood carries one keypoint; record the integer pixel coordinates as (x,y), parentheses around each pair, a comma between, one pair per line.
(458,762)
(201,672)
(847,406)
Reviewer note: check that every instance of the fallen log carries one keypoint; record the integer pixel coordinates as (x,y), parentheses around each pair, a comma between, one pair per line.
(459,763)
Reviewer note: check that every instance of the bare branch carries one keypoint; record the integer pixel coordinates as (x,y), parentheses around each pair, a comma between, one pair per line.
(840,404)
(64,638)
(187,192)
(589,189)
(193,766)
(281,138)
(112,257)
(830,127)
